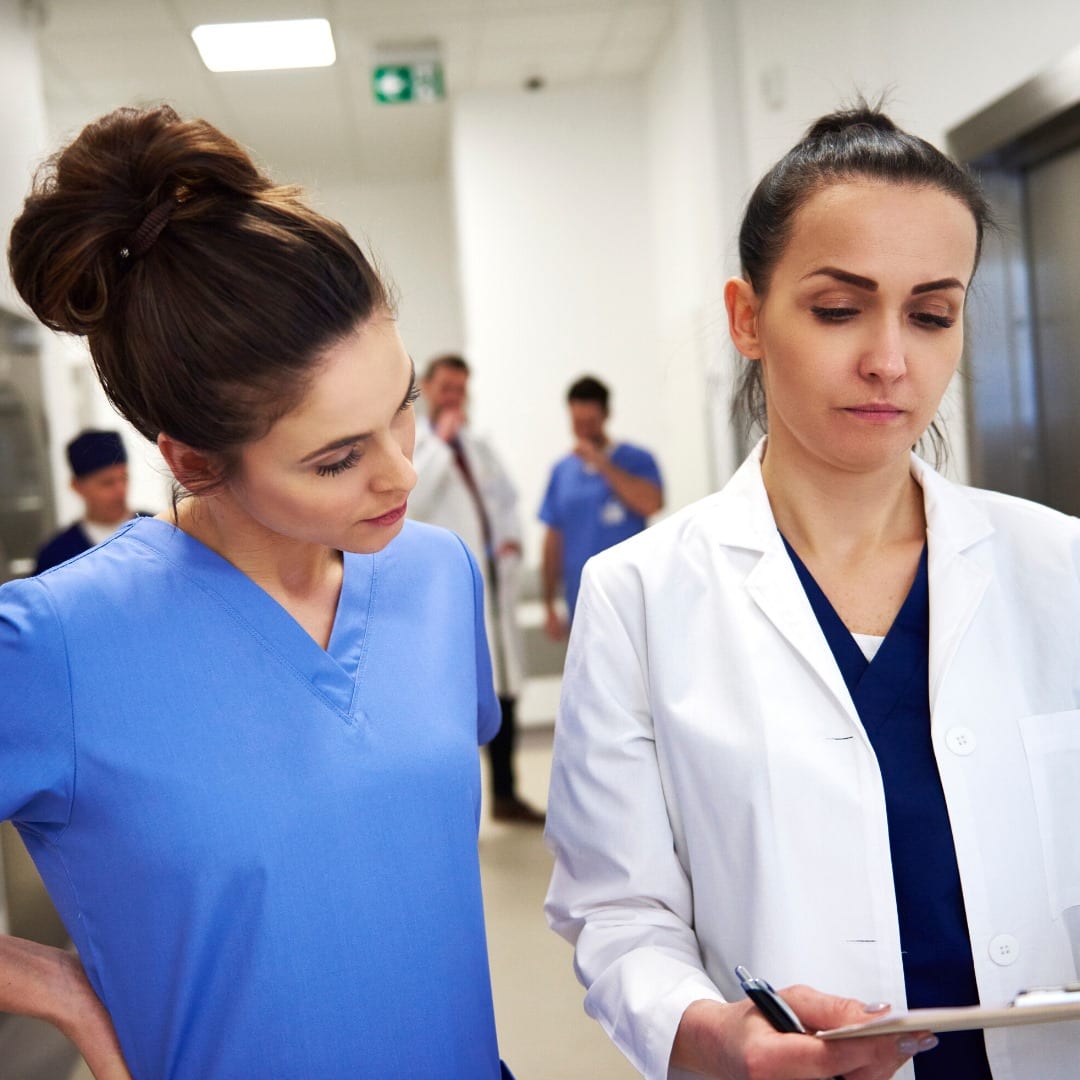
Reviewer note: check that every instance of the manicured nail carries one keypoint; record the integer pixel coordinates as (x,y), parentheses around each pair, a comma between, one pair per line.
(876,1006)
(909,1045)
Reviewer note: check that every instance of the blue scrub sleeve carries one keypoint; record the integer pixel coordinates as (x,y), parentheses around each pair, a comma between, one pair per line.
(641,463)
(488,713)
(37,745)
(549,508)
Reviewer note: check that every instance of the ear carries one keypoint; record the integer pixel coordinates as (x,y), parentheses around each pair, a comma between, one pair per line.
(193,469)
(742,307)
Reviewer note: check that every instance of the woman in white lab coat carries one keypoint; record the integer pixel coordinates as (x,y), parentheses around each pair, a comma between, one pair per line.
(826,722)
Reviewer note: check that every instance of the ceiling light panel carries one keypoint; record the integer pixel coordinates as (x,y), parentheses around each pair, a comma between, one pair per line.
(265,46)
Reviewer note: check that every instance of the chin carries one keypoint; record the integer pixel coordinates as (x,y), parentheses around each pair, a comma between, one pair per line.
(368,539)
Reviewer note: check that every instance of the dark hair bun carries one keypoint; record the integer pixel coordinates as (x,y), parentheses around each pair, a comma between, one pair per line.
(89,200)
(839,123)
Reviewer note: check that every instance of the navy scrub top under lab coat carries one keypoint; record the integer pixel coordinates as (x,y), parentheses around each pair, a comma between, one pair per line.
(891,695)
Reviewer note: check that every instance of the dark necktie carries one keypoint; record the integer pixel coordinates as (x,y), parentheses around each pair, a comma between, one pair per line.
(474,491)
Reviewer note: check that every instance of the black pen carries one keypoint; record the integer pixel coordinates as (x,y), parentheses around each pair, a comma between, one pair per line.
(772,1006)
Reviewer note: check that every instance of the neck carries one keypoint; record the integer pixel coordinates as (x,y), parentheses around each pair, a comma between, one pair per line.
(283,566)
(827,512)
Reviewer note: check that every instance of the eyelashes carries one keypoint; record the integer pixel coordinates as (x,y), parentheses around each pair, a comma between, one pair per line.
(925,319)
(336,468)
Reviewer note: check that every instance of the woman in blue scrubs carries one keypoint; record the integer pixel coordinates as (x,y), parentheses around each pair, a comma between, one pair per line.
(825,724)
(239,739)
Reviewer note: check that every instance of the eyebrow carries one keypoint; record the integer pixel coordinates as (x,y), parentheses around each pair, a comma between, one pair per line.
(869,285)
(352,440)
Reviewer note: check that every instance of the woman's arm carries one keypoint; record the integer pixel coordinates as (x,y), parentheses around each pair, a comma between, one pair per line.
(620,893)
(50,984)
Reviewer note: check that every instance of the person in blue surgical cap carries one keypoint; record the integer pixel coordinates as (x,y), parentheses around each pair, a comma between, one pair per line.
(99,476)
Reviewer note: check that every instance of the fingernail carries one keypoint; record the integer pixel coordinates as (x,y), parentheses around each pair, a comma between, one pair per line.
(876,1006)
(910,1046)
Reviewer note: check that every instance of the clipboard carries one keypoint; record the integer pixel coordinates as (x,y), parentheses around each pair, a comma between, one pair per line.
(1043,1006)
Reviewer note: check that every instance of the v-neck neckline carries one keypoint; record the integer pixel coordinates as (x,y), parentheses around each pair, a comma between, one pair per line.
(877,686)
(850,658)
(332,673)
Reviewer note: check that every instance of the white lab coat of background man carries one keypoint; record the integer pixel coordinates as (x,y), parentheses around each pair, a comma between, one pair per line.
(462,486)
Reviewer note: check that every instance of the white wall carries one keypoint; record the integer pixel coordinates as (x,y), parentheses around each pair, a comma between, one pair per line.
(408,229)
(939,64)
(697,168)
(553,217)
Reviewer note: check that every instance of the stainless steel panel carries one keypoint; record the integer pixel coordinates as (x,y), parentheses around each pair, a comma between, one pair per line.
(1053,231)
(26,505)
(1004,437)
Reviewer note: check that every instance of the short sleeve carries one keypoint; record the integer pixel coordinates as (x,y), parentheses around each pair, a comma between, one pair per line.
(488,714)
(36,726)
(549,508)
(642,463)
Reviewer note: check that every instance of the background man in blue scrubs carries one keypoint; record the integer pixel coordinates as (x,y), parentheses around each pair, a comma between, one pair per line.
(599,494)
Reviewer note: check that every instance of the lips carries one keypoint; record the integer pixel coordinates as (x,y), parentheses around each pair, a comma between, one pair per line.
(876,410)
(390,517)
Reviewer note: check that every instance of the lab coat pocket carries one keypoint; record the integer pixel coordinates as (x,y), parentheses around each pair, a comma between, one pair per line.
(1052,745)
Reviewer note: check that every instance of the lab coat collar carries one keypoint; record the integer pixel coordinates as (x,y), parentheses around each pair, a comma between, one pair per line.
(742,518)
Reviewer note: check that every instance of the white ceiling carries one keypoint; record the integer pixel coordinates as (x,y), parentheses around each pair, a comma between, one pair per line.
(323,124)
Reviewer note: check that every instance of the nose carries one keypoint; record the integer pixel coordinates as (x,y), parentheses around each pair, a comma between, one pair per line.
(884,356)
(394,469)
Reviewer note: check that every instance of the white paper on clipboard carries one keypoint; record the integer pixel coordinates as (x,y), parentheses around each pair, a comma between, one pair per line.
(963,1018)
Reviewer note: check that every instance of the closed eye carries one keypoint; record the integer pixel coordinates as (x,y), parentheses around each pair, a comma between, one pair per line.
(335,468)
(932,321)
(834,314)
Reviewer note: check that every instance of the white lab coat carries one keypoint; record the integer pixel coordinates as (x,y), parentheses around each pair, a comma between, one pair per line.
(442,497)
(715,800)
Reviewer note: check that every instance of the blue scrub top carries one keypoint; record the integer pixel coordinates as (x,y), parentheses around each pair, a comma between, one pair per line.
(891,694)
(265,852)
(579,503)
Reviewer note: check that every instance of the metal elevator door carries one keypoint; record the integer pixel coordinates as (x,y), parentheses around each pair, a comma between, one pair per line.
(1053,240)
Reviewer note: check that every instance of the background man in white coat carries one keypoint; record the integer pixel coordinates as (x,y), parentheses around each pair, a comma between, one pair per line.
(462,486)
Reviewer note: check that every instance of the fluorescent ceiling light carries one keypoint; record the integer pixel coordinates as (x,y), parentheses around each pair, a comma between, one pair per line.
(264,46)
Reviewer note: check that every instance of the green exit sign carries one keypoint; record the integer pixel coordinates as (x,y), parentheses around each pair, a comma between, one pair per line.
(394,84)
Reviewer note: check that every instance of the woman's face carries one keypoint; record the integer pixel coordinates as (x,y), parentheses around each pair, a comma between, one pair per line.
(337,470)
(861,328)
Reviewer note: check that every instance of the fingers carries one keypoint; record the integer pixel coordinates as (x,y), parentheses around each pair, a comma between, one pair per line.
(797,1057)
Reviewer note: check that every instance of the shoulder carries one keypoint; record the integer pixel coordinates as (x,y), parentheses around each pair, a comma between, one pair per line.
(30,629)
(427,550)
(1004,517)
(567,463)
(629,456)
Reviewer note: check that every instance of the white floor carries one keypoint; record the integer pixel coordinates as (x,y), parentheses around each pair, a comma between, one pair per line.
(544,1033)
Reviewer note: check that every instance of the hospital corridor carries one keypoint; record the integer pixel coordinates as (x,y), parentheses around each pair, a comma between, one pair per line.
(511,504)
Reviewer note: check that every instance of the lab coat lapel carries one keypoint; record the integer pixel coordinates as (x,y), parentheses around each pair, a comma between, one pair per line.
(745,520)
(957,581)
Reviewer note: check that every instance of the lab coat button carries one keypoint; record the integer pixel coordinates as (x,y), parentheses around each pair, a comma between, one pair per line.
(1004,950)
(960,740)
